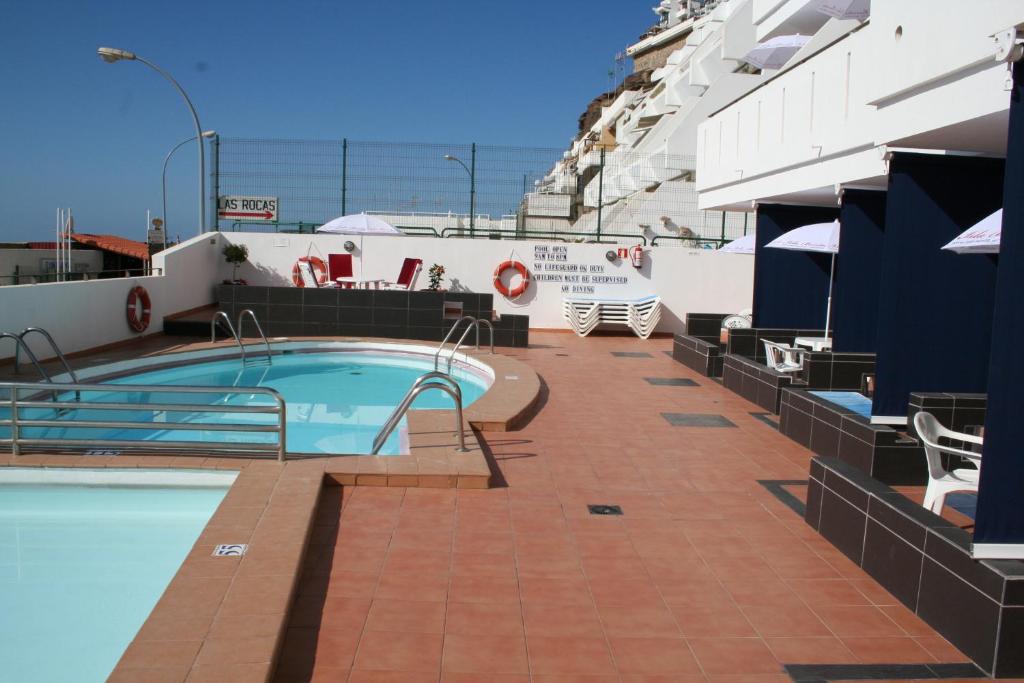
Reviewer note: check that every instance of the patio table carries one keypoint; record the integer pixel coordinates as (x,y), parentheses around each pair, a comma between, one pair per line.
(814,343)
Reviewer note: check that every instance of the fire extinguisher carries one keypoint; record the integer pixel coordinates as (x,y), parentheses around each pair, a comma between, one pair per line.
(636,255)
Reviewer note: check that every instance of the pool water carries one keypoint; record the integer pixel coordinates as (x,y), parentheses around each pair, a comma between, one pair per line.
(336,401)
(851,400)
(81,567)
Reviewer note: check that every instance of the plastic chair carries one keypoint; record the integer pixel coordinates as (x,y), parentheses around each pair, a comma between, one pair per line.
(782,358)
(940,480)
(407,276)
(339,269)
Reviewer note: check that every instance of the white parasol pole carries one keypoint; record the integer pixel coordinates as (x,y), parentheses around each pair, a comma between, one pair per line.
(828,309)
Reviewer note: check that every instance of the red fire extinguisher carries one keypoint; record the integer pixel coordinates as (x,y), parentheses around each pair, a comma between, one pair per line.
(636,255)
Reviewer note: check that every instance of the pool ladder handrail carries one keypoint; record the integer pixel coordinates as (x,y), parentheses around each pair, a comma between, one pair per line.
(16,422)
(474,323)
(241,320)
(19,343)
(53,346)
(422,384)
(231,328)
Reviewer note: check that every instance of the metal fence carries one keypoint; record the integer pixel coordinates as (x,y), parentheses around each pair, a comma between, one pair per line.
(470,190)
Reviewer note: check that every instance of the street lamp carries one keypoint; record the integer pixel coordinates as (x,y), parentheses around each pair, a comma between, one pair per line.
(472,189)
(111,55)
(163,174)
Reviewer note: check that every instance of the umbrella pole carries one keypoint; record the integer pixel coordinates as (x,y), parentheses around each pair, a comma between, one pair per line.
(828,309)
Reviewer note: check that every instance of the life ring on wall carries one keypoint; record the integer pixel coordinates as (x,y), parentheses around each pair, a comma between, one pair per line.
(318,266)
(518,289)
(137,296)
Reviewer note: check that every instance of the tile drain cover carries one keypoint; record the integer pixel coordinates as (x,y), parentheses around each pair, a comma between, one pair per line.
(605,509)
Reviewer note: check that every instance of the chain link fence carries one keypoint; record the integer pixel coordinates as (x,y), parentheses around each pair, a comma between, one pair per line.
(470,190)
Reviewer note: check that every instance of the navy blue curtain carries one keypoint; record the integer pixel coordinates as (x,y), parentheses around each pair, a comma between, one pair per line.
(855,297)
(790,287)
(1000,516)
(935,307)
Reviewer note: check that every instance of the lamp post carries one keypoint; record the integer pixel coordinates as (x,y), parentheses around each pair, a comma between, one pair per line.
(111,55)
(472,187)
(163,174)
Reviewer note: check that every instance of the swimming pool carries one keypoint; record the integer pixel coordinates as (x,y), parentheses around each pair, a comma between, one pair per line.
(83,564)
(851,400)
(336,400)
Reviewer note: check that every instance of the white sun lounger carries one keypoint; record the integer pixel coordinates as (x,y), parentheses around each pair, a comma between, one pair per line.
(585,313)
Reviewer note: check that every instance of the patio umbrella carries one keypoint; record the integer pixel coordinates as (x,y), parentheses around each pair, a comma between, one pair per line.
(743,245)
(980,238)
(775,52)
(359,224)
(822,238)
(844,9)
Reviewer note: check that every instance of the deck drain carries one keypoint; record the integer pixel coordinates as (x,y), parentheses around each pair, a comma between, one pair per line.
(562,354)
(605,509)
(100,451)
(230,550)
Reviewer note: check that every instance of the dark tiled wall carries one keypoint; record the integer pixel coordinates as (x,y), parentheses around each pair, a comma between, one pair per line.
(831,431)
(698,355)
(838,371)
(297,311)
(959,412)
(747,341)
(925,562)
(704,326)
(754,381)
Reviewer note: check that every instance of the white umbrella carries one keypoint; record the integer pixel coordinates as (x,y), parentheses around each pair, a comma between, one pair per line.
(844,9)
(359,224)
(743,245)
(981,238)
(822,238)
(775,52)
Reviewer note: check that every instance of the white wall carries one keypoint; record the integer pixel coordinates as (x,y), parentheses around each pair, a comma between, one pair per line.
(30,262)
(688,280)
(83,315)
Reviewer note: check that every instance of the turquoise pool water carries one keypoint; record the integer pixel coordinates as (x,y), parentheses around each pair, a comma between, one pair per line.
(81,567)
(336,401)
(851,400)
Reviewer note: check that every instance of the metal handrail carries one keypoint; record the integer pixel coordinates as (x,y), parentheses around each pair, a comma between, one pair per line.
(231,328)
(448,336)
(241,319)
(458,344)
(53,345)
(424,383)
(15,422)
(20,343)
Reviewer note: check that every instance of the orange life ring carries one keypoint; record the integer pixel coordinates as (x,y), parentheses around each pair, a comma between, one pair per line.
(318,266)
(518,289)
(135,297)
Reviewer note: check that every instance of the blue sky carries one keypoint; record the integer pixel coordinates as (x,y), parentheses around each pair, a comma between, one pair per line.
(79,133)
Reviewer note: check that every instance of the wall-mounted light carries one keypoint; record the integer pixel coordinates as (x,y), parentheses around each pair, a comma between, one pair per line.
(611,255)
(350,246)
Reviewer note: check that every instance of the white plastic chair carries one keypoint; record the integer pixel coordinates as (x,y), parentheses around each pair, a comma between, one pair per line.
(782,358)
(940,480)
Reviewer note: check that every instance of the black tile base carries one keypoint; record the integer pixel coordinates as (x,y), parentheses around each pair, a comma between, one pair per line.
(631,354)
(816,673)
(670,382)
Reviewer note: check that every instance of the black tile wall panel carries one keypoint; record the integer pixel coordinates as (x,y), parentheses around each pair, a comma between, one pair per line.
(893,562)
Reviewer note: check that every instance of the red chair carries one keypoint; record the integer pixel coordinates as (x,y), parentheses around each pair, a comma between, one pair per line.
(407,276)
(339,269)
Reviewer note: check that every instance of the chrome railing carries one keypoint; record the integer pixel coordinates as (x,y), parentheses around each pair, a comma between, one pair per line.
(241,320)
(473,323)
(19,343)
(424,383)
(53,346)
(17,421)
(231,328)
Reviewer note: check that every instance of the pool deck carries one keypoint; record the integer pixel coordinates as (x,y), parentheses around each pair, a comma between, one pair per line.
(707,575)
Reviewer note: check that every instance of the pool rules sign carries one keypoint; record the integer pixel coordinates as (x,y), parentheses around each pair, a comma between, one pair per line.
(247,209)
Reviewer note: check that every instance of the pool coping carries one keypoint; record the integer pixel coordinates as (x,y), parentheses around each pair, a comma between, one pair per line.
(224,618)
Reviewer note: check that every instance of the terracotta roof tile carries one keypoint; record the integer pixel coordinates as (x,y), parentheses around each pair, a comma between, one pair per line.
(114,243)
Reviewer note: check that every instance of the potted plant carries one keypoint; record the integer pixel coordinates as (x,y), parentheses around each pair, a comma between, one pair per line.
(436,274)
(236,255)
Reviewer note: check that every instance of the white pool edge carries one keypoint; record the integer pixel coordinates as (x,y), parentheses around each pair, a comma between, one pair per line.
(82,476)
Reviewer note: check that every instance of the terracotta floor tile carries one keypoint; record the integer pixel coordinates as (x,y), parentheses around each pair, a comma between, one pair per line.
(569,655)
(411,616)
(484,564)
(659,656)
(827,650)
(485,654)
(793,620)
(571,621)
(391,651)
(721,620)
(454,677)
(734,656)
(826,592)
(612,592)
(654,621)
(858,622)
(484,619)
(888,650)
(941,649)
(555,591)
(391,677)
(411,586)
(485,589)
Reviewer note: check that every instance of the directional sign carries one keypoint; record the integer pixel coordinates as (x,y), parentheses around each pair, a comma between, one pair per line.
(247,208)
